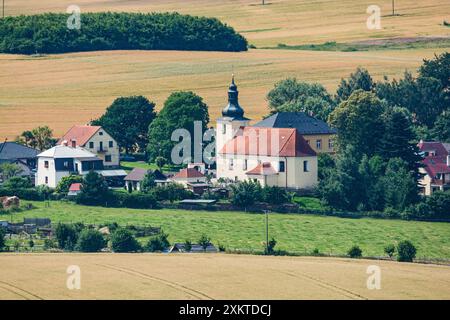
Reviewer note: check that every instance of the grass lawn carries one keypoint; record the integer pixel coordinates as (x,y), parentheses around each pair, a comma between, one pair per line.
(130,165)
(238,230)
(309,203)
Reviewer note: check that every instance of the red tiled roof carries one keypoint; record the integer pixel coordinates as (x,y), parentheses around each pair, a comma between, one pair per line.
(437,147)
(80,134)
(262,169)
(188,173)
(75,187)
(435,165)
(276,142)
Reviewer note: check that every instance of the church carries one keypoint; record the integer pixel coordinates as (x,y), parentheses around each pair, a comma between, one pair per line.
(273,156)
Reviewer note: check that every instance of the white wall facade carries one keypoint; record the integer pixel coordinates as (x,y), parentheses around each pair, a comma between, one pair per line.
(53,176)
(226,130)
(104,137)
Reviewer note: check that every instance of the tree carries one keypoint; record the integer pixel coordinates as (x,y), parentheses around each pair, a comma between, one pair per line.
(441,127)
(406,251)
(354,252)
(275,195)
(90,240)
(180,111)
(325,163)
(371,172)
(171,192)
(148,182)
(9,170)
(66,235)
(123,240)
(400,186)
(16,183)
(40,138)
(204,241)
(158,242)
(160,162)
(94,189)
(359,122)
(359,80)
(245,193)
(127,120)
(389,250)
(65,183)
(290,95)
(398,140)
(438,68)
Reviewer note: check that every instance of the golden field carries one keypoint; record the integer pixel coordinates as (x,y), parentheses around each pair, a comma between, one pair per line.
(62,90)
(215,276)
(280,21)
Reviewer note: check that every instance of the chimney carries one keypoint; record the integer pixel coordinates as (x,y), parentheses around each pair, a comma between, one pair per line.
(64,143)
(74,143)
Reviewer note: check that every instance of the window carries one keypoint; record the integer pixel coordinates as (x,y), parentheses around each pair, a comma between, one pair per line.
(319,144)
(111,144)
(281,166)
(224,129)
(305,166)
(230,165)
(66,164)
(108,158)
(330,144)
(244,166)
(100,133)
(91,145)
(46,180)
(46,164)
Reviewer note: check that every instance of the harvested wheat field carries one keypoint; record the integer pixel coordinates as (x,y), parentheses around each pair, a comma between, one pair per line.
(215,276)
(61,90)
(280,21)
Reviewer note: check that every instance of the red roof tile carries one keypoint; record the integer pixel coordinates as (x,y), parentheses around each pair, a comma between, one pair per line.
(276,142)
(75,187)
(435,165)
(438,148)
(80,134)
(188,173)
(262,169)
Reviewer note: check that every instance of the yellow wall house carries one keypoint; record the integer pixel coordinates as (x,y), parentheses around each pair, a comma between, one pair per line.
(273,156)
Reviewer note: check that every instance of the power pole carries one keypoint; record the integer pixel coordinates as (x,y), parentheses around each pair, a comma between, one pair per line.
(262,2)
(3,6)
(393,7)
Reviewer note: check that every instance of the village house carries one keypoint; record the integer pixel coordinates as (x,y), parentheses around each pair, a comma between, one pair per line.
(23,156)
(134,179)
(436,167)
(273,156)
(63,160)
(316,132)
(96,140)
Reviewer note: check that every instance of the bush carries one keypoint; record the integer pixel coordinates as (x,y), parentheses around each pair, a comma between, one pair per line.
(271,246)
(138,201)
(90,240)
(355,252)
(65,183)
(94,190)
(123,240)
(67,236)
(406,251)
(275,195)
(2,238)
(204,241)
(23,194)
(435,206)
(389,250)
(17,183)
(50,244)
(246,193)
(47,33)
(171,192)
(158,243)
(187,246)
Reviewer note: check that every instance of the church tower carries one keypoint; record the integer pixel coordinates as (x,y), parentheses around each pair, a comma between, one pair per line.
(232,118)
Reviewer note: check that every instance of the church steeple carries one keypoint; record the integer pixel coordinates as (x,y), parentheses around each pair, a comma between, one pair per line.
(233,109)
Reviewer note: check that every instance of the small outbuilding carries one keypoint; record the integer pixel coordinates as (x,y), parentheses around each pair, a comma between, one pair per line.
(74,189)
(134,179)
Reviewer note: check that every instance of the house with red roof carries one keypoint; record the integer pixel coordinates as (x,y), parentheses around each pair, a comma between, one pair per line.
(436,167)
(271,155)
(96,140)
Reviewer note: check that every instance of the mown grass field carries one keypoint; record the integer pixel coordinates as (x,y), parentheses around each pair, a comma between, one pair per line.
(239,230)
(62,90)
(214,276)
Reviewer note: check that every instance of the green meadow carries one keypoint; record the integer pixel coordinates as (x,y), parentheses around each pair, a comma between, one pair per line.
(246,231)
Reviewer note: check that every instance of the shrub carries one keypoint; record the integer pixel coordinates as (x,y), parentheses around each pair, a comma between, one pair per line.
(94,190)
(2,238)
(171,192)
(245,193)
(123,240)
(271,246)
(66,235)
(187,246)
(90,240)
(204,241)
(65,183)
(355,252)
(406,251)
(24,194)
(275,195)
(138,201)
(158,243)
(389,250)
(17,183)
(315,252)
(50,244)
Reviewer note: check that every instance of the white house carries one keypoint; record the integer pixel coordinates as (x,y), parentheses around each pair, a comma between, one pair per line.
(273,156)
(62,161)
(96,140)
